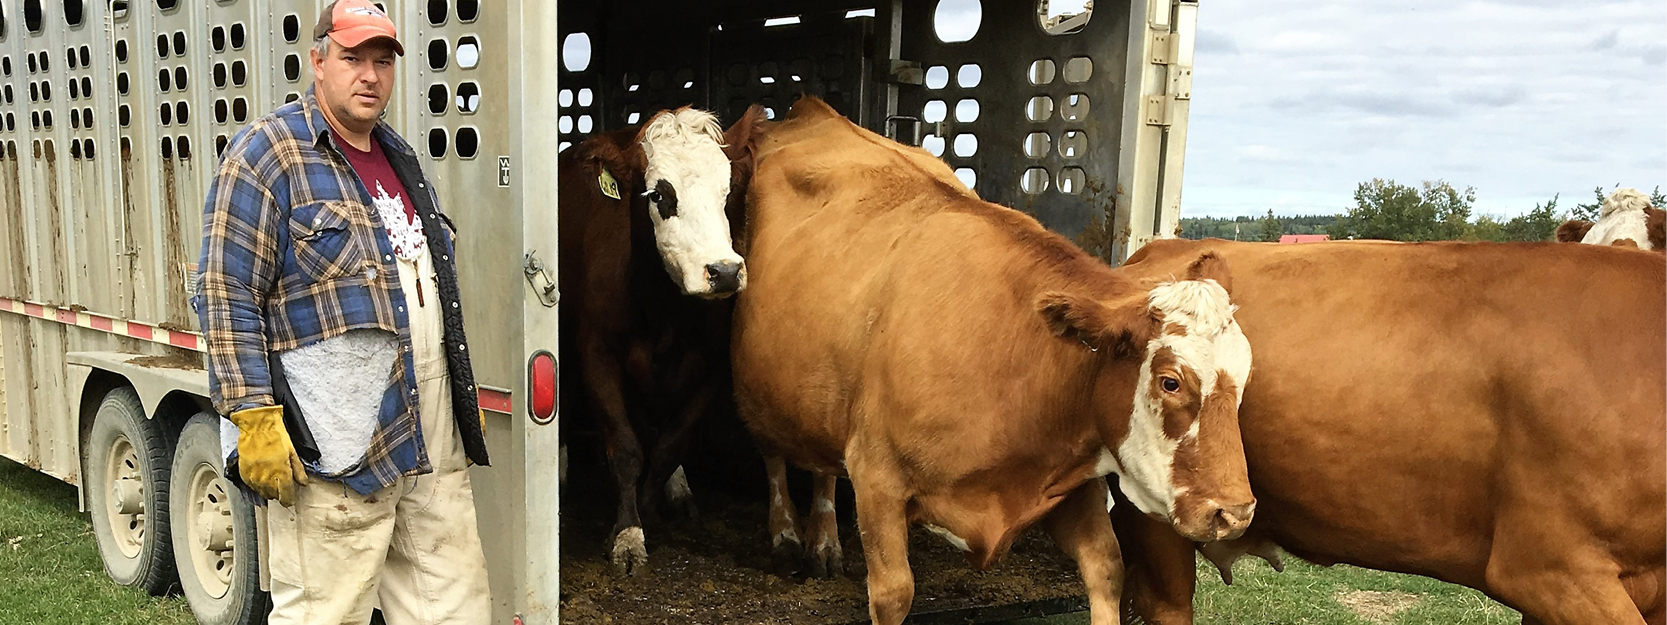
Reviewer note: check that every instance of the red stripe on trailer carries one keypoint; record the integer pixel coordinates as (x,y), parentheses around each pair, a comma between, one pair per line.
(496,401)
(34,310)
(97,322)
(181,339)
(138,330)
(65,316)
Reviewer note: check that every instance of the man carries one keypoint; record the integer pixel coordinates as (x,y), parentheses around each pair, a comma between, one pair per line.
(336,348)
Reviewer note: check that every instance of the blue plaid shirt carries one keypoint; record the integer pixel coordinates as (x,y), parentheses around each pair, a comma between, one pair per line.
(294,253)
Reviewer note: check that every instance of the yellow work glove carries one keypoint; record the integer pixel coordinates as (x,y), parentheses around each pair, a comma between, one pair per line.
(266,459)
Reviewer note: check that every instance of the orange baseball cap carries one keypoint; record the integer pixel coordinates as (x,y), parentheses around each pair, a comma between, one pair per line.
(353,22)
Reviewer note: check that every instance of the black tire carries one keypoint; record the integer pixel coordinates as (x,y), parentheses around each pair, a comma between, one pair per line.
(221,581)
(126,480)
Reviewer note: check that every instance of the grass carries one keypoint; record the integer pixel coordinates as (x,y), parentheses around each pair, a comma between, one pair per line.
(50,573)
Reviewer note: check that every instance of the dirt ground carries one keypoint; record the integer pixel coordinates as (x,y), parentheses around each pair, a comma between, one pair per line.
(714,569)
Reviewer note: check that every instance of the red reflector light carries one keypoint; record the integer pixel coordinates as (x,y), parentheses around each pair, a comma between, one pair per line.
(541,387)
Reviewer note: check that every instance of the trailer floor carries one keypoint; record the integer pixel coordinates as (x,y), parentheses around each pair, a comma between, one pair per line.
(714,569)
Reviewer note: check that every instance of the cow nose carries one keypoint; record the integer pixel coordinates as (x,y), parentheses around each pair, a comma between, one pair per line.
(1231,521)
(724,277)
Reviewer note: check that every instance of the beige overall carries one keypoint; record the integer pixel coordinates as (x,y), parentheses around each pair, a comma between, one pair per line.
(411,549)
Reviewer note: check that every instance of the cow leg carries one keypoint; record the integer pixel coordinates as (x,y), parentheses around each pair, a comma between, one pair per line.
(883,522)
(664,462)
(826,557)
(1558,588)
(1159,577)
(1081,527)
(784,520)
(629,552)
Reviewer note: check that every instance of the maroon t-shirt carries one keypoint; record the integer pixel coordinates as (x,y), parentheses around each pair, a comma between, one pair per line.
(388,196)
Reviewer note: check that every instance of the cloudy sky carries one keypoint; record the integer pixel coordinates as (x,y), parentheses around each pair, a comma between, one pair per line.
(1294,103)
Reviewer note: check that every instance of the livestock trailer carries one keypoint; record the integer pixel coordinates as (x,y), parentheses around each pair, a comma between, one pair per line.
(113,114)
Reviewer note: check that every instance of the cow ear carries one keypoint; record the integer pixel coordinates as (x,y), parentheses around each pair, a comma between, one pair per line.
(1573,230)
(1655,223)
(1122,327)
(1210,266)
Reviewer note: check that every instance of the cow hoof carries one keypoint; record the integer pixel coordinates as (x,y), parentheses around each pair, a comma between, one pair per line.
(827,561)
(630,553)
(682,501)
(784,555)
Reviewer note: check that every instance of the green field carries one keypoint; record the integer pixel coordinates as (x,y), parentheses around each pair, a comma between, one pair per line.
(50,573)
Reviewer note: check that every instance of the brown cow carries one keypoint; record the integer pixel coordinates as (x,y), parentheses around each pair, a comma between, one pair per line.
(1626,219)
(968,369)
(645,257)
(1487,414)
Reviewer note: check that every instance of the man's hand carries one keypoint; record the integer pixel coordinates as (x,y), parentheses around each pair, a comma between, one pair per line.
(266,459)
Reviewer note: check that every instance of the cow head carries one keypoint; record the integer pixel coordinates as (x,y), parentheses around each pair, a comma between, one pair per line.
(1171,424)
(686,181)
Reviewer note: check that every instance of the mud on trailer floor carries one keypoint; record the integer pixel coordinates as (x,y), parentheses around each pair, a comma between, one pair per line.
(715,570)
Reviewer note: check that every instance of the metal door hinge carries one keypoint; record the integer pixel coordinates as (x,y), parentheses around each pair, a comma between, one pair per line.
(539,279)
(1163,48)
(1157,109)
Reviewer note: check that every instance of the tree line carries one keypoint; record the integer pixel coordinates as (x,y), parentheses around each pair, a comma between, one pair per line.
(1384,209)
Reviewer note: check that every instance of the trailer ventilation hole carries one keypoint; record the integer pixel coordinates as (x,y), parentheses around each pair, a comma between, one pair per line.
(86,87)
(34,92)
(436,12)
(685,78)
(468,97)
(124,115)
(966,145)
(217,38)
(118,10)
(933,144)
(73,12)
(220,145)
(969,76)
(937,77)
(968,177)
(121,83)
(966,111)
(86,56)
(292,28)
(46,118)
(35,120)
(564,124)
(46,90)
(11,122)
(240,72)
(1074,144)
(179,78)
(184,147)
(1037,144)
(468,10)
(8,90)
(74,150)
(87,151)
(1075,108)
(46,63)
(219,75)
(585,124)
(179,43)
(1039,108)
(438,99)
(74,90)
(564,97)
(239,36)
(633,117)
(468,141)
(1071,180)
(957,20)
(182,112)
(69,57)
(240,110)
(32,15)
(1078,69)
(165,112)
(6,63)
(631,81)
(1063,17)
(291,97)
(121,54)
(161,46)
(586,97)
(935,111)
(167,148)
(1034,180)
(656,80)
(221,110)
(292,67)
(167,5)
(438,54)
(562,147)
(75,118)
(1041,72)
(468,52)
(738,74)
(437,143)
(575,51)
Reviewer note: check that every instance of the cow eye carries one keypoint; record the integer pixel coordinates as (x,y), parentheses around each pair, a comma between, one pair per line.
(1171,385)
(655,197)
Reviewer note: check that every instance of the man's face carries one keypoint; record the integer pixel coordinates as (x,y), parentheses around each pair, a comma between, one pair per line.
(354,83)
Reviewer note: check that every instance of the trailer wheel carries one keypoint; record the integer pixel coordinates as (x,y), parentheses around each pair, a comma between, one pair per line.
(127,493)
(214,532)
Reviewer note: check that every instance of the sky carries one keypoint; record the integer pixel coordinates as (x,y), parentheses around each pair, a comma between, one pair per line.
(1295,103)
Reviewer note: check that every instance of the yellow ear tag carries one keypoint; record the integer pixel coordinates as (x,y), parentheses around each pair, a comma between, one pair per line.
(609,186)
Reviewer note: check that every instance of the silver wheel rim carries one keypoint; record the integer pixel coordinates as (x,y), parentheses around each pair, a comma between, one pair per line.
(125,506)
(209,531)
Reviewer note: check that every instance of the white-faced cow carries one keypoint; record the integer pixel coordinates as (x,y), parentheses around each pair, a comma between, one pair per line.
(1486,414)
(646,257)
(969,370)
(1626,219)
